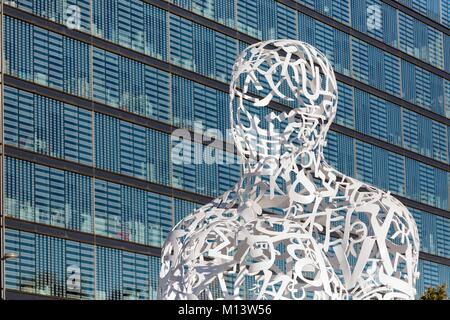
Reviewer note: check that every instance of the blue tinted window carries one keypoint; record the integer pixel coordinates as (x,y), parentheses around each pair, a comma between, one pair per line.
(266,19)
(377,117)
(321,36)
(130,149)
(182,208)
(195,106)
(122,275)
(448,143)
(422,88)
(390,22)
(199,168)
(286,22)
(133,24)
(200,49)
(190,172)
(49,196)
(344,115)
(434,233)
(428,8)
(47,126)
(131,214)
(447,97)
(49,266)
(337,9)
(131,86)
(257,18)
(360,68)
(58,267)
(64,12)
(420,40)
(431,275)
(447,51)
(446,13)
(339,153)
(424,136)
(46,58)
(383,70)
(306,29)
(371,168)
(426,184)
(222,11)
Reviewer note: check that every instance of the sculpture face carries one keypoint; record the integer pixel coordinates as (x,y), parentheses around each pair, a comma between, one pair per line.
(287,71)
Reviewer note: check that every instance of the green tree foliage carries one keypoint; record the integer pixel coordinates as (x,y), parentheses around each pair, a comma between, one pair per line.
(438,293)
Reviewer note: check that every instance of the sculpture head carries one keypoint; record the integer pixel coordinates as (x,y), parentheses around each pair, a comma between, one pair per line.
(287,71)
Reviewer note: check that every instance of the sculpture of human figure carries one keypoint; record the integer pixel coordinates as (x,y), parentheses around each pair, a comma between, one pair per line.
(292,227)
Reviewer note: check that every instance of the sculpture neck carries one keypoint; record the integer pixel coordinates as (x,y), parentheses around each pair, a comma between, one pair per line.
(270,178)
(267,166)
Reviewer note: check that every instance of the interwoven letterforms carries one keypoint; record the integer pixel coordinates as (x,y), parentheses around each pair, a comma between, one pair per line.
(292,227)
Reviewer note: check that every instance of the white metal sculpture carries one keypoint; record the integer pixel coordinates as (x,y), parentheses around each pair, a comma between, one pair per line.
(329,236)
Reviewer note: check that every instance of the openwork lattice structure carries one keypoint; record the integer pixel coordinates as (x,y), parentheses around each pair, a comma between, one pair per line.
(293,227)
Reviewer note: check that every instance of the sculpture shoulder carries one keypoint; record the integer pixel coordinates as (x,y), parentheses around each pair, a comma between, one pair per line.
(382,206)
(368,194)
(359,192)
(195,225)
(365,197)
(219,209)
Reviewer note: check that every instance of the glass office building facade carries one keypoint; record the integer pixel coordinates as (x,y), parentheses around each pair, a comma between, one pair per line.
(93,89)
